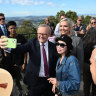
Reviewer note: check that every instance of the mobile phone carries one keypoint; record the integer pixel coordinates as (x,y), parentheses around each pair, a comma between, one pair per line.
(11,43)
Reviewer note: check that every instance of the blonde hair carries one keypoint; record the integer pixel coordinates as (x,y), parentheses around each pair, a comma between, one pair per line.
(70,25)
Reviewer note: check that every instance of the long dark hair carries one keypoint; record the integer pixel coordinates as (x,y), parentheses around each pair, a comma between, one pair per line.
(89,43)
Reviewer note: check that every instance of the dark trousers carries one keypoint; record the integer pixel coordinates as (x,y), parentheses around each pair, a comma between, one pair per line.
(42,88)
(88,82)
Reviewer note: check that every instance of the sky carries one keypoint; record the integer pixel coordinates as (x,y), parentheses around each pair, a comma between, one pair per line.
(13,8)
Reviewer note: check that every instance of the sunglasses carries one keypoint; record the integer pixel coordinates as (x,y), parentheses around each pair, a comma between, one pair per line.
(79,20)
(93,23)
(60,44)
(2,19)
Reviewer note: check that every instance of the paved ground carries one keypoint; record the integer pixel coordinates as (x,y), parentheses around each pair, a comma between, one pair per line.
(81,90)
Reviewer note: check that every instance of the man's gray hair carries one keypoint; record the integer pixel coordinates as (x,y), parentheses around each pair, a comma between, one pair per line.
(45,25)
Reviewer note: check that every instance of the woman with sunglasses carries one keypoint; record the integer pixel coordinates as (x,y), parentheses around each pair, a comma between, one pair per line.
(67,79)
(92,23)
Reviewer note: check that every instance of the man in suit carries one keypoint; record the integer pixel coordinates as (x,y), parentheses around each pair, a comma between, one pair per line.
(35,75)
(3,28)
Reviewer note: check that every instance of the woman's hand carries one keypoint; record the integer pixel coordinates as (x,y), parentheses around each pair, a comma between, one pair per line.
(53,81)
(53,88)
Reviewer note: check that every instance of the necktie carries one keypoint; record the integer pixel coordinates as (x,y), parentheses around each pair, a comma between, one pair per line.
(45,61)
(5,33)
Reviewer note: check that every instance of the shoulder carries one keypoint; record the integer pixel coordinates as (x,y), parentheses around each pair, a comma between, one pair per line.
(32,40)
(51,44)
(75,38)
(72,58)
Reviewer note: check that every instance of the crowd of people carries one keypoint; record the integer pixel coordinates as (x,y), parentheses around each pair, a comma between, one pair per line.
(58,57)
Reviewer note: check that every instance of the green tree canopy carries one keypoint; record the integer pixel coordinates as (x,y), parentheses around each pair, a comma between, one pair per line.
(27,27)
(72,15)
(58,15)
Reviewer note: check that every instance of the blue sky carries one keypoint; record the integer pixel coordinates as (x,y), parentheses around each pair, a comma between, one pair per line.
(45,7)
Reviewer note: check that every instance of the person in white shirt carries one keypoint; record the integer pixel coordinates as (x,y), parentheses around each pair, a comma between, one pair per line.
(56,32)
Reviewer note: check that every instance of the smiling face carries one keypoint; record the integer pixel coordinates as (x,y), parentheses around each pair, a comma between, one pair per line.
(12,30)
(93,23)
(61,47)
(64,28)
(43,34)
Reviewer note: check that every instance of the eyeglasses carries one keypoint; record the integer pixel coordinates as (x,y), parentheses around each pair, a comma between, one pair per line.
(79,20)
(93,23)
(2,19)
(42,34)
(60,44)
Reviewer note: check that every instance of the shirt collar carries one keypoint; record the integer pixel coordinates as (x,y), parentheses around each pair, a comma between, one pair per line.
(2,25)
(46,43)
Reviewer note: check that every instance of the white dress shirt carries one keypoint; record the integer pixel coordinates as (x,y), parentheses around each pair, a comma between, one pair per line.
(42,73)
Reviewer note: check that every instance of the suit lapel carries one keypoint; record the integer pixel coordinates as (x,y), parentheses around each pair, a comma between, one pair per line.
(38,51)
(50,53)
(1,32)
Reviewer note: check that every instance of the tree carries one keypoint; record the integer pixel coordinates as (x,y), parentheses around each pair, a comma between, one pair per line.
(26,28)
(58,15)
(86,20)
(72,15)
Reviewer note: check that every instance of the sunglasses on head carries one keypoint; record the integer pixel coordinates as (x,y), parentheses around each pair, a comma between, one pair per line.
(60,44)
(2,19)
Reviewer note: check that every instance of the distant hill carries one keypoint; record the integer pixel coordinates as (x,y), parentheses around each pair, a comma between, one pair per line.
(36,20)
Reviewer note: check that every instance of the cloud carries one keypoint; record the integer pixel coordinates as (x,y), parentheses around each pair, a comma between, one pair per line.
(29,2)
(20,13)
(51,4)
(7,1)
(0,1)
(22,2)
(41,2)
(63,5)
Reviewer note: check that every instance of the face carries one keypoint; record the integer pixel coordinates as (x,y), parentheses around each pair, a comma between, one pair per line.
(79,20)
(62,17)
(93,23)
(43,34)
(64,28)
(47,20)
(61,47)
(12,29)
(2,20)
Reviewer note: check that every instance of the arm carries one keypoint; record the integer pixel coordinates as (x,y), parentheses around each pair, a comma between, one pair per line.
(80,53)
(71,81)
(25,61)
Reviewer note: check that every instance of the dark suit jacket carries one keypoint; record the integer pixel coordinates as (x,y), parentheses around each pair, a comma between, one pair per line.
(1,32)
(33,67)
